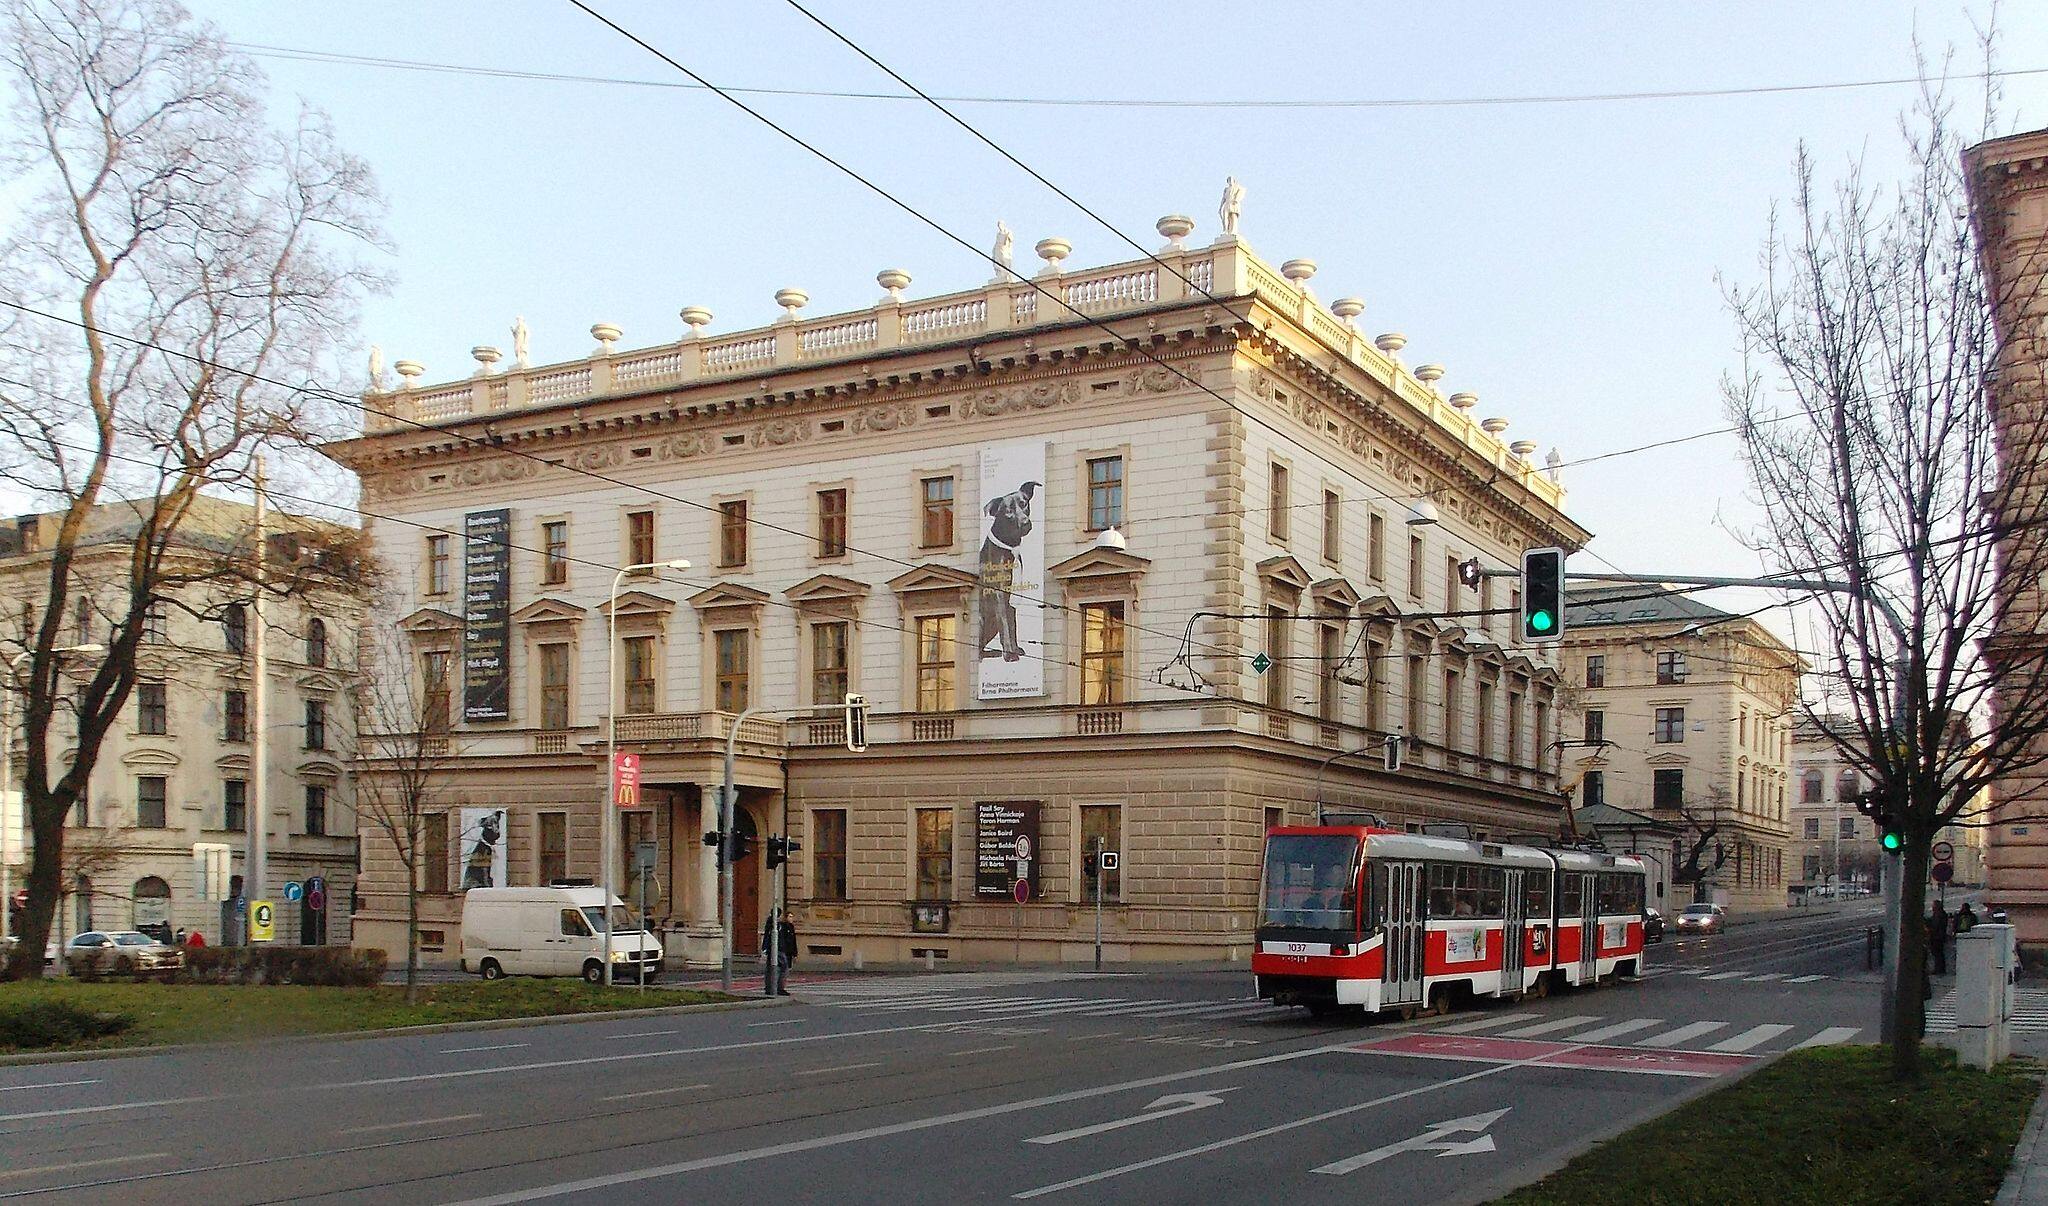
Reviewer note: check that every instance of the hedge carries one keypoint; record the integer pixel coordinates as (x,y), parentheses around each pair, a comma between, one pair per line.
(29,1025)
(320,966)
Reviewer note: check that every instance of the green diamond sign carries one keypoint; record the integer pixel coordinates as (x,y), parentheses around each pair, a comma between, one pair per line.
(1261,663)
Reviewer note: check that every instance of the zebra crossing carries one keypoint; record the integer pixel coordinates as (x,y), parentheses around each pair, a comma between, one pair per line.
(1655,1034)
(2029,1013)
(1744,977)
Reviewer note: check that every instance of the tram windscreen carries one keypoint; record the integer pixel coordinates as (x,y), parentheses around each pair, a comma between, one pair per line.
(1311,881)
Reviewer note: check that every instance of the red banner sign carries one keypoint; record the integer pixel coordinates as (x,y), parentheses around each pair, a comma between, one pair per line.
(626,780)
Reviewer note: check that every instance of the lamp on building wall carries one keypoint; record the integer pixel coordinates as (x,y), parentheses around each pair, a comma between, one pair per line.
(1110,540)
(611,761)
(1422,512)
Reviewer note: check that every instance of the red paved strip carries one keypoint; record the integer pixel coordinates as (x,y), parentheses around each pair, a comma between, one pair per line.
(1470,1047)
(1473,1048)
(1652,1063)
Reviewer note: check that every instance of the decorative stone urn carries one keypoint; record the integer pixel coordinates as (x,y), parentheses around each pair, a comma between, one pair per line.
(895,280)
(1175,227)
(791,300)
(1523,448)
(1464,401)
(1298,271)
(606,335)
(487,358)
(1391,342)
(409,373)
(1493,426)
(1052,251)
(696,318)
(1348,309)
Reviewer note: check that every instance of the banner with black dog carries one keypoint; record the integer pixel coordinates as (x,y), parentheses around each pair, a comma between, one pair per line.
(1012,577)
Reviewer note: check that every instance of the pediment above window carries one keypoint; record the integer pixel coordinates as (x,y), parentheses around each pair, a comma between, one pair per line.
(146,756)
(1334,594)
(1101,568)
(728,595)
(431,619)
(549,611)
(1377,607)
(638,604)
(318,683)
(1284,572)
(1667,759)
(826,588)
(933,578)
(234,766)
(319,770)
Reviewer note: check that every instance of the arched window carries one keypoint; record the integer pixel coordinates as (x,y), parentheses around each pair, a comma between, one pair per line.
(234,628)
(1810,785)
(1846,785)
(153,907)
(316,643)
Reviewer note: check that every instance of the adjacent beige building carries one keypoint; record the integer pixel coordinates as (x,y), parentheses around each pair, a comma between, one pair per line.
(175,773)
(1218,590)
(1686,715)
(1834,844)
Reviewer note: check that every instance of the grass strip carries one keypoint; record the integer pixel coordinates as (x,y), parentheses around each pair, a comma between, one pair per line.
(204,1013)
(1826,1125)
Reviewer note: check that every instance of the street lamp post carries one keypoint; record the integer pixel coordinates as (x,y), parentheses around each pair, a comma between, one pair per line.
(7,817)
(611,760)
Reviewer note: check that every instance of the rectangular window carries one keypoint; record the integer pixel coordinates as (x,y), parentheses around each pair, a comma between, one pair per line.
(1742,727)
(437,565)
(1514,747)
(731,662)
(1593,789)
(732,533)
(316,724)
(638,652)
(316,810)
(1596,670)
(1450,702)
(1670,725)
(554,847)
(1333,526)
(1102,828)
(1667,788)
(935,664)
(1105,493)
(234,805)
(1488,619)
(1846,827)
(234,629)
(235,708)
(1276,649)
(151,793)
(1278,498)
(1482,724)
(1376,547)
(829,681)
(1415,567)
(436,706)
(1375,685)
(831,523)
(1329,650)
(1596,726)
(934,854)
(554,687)
(935,502)
(152,711)
(1102,653)
(1451,583)
(640,538)
(1813,829)
(554,544)
(828,854)
(155,629)
(433,859)
(1670,668)
(1418,689)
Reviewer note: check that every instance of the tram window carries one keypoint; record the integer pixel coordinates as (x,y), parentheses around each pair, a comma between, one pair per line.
(1442,889)
(1466,904)
(1536,894)
(1375,910)
(1492,892)
(1568,894)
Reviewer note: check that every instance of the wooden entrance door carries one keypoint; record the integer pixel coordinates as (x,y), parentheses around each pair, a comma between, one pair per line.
(746,889)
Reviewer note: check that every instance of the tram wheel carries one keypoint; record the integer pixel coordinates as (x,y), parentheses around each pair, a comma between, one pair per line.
(1439,1003)
(1541,988)
(1408,1013)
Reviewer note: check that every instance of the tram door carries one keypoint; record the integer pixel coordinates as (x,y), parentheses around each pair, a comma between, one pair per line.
(1589,928)
(1513,944)
(1401,909)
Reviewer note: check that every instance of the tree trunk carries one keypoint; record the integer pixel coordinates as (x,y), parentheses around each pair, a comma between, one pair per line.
(412,938)
(1907,982)
(45,887)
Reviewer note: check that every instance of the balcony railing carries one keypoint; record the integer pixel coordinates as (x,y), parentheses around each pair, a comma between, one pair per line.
(698,726)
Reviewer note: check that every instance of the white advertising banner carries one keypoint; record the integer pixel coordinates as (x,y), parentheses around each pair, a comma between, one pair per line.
(480,850)
(1012,571)
(1464,946)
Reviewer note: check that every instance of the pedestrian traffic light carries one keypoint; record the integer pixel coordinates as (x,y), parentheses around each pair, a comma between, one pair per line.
(780,850)
(716,840)
(1090,865)
(856,722)
(1542,594)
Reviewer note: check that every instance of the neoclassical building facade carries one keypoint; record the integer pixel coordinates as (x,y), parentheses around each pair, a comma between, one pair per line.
(1120,555)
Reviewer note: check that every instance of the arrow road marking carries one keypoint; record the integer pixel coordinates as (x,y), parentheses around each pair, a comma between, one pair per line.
(1169,1106)
(1429,1140)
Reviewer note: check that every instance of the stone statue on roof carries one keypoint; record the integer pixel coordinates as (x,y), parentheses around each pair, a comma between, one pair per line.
(376,368)
(519,338)
(1233,204)
(1005,244)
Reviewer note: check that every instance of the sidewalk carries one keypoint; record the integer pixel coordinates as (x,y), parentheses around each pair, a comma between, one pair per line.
(2026,1182)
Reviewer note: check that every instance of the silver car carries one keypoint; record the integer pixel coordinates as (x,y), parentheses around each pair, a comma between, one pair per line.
(120,953)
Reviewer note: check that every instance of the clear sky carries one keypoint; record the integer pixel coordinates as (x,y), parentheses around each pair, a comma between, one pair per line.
(1560,259)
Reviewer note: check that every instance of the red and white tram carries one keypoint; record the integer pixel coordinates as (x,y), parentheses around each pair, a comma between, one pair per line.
(1360,916)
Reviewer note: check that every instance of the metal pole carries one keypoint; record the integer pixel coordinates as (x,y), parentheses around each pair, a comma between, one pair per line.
(1099,876)
(606,836)
(725,810)
(259,708)
(643,916)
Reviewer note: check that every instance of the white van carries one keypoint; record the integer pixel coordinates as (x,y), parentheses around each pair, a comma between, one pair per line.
(552,932)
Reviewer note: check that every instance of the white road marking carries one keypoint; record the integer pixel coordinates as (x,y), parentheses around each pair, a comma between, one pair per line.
(1829,1037)
(784,1022)
(1615,1031)
(78,1164)
(395,1126)
(982,1050)
(1683,1034)
(1482,1023)
(1170,1106)
(1549,1027)
(48,1084)
(73,1111)
(653,1092)
(1752,1037)
(495,1047)
(1767,976)
(1804,979)
(837,1068)
(639,1034)
(1723,976)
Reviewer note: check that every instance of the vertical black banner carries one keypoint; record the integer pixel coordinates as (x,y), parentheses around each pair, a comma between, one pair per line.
(1005,846)
(486,614)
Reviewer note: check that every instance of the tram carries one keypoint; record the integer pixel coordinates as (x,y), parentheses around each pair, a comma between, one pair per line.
(1363,917)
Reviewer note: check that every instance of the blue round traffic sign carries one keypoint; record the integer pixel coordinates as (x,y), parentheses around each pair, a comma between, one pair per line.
(292,890)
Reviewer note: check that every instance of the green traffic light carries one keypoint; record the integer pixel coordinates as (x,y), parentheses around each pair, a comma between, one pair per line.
(1540,621)
(1892,841)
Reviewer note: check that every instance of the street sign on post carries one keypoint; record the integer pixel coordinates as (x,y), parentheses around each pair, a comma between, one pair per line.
(1944,852)
(293,890)
(626,775)
(316,899)
(262,921)
(1943,872)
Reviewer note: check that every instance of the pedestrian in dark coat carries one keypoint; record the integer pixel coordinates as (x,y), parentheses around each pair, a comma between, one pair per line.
(1937,939)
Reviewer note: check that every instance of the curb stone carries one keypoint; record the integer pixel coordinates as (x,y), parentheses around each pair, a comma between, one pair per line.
(2026,1179)
(28,1058)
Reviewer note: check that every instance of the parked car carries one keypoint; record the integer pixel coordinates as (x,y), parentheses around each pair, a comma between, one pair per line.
(1702,919)
(553,932)
(1653,925)
(120,953)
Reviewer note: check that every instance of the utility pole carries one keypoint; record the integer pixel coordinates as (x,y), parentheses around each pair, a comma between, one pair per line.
(259,719)
(1095,847)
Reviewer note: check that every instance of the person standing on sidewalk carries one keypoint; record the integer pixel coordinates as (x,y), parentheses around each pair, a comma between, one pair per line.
(1937,940)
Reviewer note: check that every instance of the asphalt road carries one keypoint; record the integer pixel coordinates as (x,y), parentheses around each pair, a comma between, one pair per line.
(1166,1086)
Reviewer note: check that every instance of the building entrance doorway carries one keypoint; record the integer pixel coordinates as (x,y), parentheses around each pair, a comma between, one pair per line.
(746,888)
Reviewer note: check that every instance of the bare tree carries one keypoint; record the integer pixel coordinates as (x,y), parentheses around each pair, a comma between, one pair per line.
(1702,851)
(175,258)
(403,752)
(1872,445)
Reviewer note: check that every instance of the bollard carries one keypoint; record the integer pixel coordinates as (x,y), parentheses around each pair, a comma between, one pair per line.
(931,960)
(1873,947)
(857,964)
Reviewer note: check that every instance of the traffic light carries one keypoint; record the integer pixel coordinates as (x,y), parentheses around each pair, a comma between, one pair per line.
(742,846)
(781,849)
(856,722)
(716,840)
(1542,594)
(1091,865)
(1891,838)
